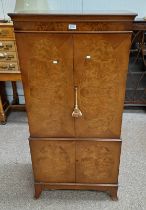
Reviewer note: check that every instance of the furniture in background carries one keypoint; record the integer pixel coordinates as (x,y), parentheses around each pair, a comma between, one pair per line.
(74,84)
(136,81)
(9,70)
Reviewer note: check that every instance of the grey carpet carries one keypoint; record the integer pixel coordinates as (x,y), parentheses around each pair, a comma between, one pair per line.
(16,182)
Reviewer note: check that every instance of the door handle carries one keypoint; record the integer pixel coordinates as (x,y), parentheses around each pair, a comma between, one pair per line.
(76,112)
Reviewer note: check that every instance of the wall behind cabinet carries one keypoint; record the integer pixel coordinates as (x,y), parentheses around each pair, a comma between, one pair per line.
(1,11)
(7,6)
(138,6)
(65,5)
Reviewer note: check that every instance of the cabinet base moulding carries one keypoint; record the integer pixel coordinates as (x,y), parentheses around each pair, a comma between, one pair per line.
(112,189)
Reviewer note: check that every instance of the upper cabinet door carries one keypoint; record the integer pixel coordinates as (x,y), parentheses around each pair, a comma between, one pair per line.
(47,65)
(100,67)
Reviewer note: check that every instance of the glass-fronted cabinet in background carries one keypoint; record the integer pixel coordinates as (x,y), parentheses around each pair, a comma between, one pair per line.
(136,80)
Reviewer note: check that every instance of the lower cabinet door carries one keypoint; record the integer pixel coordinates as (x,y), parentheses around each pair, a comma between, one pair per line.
(58,161)
(53,161)
(97,161)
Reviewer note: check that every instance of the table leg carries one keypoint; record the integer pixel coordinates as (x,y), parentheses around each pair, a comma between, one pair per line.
(3,103)
(2,113)
(15,93)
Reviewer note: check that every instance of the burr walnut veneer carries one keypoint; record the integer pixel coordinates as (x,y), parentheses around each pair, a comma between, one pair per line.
(74,71)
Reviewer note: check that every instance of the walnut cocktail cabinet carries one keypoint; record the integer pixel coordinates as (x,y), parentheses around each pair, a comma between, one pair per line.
(74,69)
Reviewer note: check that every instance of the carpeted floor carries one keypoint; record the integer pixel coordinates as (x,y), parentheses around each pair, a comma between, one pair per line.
(16,182)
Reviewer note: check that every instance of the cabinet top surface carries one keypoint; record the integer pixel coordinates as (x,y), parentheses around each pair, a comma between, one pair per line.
(104,21)
(73,15)
(74,12)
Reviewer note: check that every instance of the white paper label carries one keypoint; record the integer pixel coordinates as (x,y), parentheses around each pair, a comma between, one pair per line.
(72,26)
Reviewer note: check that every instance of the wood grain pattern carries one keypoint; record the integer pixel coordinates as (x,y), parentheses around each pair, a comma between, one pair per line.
(94,161)
(97,162)
(86,22)
(110,188)
(69,153)
(81,26)
(53,161)
(101,83)
(50,82)
(96,79)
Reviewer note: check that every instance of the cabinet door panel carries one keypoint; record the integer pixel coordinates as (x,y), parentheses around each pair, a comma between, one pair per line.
(100,65)
(53,161)
(46,62)
(97,162)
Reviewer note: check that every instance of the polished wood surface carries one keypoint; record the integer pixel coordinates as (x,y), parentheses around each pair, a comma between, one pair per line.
(10,76)
(75,66)
(97,162)
(94,85)
(53,161)
(48,81)
(100,83)
(85,22)
(111,189)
